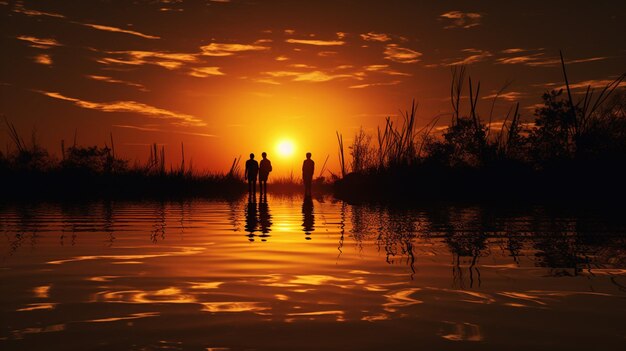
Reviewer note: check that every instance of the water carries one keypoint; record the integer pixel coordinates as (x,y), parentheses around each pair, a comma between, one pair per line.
(293,274)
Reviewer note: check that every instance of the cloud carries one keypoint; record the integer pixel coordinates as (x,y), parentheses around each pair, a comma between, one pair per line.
(327,53)
(361,86)
(167,60)
(19,8)
(301,65)
(341,35)
(316,42)
(152,129)
(594,83)
(40,43)
(312,76)
(508,96)
(116,81)
(319,76)
(523,59)
(203,72)
(458,19)
(385,69)
(117,30)
(43,59)
(403,55)
(371,36)
(281,58)
(478,56)
(513,51)
(539,60)
(132,107)
(222,49)
(267,81)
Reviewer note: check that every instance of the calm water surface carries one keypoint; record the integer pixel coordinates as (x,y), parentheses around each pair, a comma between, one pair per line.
(321,274)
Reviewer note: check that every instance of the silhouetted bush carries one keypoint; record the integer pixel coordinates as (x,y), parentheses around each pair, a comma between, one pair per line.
(571,150)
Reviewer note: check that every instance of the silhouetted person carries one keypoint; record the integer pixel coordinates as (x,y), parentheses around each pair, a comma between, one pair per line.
(308,218)
(265,220)
(252,220)
(264,171)
(251,172)
(308,167)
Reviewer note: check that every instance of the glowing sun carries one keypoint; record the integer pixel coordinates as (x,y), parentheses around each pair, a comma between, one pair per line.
(285,148)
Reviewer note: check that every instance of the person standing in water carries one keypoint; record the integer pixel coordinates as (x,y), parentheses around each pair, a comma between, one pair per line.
(251,173)
(264,171)
(308,167)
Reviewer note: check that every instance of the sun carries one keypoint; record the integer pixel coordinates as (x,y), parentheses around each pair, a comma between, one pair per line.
(285,148)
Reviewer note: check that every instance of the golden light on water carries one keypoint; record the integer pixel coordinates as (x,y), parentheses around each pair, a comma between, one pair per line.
(285,148)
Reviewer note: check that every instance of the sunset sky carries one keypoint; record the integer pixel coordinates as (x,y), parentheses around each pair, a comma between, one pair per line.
(232,77)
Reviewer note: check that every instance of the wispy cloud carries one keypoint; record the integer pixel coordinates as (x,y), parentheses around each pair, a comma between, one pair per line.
(396,53)
(19,8)
(319,76)
(513,51)
(281,58)
(229,49)
(311,76)
(508,96)
(540,60)
(153,129)
(168,60)
(118,30)
(40,43)
(43,59)
(301,65)
(371,36)
(131,107)
(476,56)
(327,53)
(316,42)
(459,19)
(117,81)
(203,72)
(593,83)
(385,69)
(361,86)
(472,56)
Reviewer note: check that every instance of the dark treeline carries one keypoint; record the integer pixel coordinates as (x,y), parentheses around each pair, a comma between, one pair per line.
(29,171)
(574,150)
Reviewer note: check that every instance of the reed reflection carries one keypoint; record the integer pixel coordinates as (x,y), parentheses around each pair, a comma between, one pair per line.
(308,217)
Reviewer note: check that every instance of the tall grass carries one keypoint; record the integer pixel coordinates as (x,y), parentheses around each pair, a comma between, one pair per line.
(28,170)
(475,159)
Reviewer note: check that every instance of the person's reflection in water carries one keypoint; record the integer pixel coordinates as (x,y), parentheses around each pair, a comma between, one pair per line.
(308,217)
(252,220)
(265,219)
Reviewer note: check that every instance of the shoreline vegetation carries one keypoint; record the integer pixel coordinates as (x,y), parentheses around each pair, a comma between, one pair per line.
(30,172)
(574,150)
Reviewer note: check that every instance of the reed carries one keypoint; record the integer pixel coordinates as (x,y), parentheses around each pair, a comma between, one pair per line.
(29,171)
(471,159)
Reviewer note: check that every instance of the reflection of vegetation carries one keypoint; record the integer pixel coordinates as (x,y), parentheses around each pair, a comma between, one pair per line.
(565,243)
(572,149)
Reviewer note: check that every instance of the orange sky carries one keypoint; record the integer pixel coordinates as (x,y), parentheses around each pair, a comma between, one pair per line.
(232,77)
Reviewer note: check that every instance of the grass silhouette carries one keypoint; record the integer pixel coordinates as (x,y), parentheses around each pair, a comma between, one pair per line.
(573,150)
